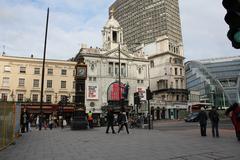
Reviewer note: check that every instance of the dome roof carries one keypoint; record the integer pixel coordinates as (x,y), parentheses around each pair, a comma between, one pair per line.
(112,23)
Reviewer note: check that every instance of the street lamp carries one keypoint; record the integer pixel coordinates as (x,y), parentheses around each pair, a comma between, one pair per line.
(119,72)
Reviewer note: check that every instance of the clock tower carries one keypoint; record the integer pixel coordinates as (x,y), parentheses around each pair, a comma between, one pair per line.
(79,117)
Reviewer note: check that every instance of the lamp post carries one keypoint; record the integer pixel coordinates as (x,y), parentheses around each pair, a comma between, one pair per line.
(119,72)
(43,71)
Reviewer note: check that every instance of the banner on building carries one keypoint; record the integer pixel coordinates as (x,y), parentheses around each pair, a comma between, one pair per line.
(92,91)
(142,93)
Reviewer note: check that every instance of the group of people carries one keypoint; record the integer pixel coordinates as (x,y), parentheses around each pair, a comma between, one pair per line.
(40,121)
(214,118)
(122,121)
(233,112)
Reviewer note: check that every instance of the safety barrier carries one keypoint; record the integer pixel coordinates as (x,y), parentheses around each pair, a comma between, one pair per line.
(7,123)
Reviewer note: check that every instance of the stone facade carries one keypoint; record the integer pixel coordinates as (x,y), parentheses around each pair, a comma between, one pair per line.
(20,79)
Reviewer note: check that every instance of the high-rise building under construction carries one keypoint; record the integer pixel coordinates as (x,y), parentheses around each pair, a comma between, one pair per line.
(145,20)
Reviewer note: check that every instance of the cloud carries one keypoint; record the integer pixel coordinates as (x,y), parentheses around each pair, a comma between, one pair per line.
(70,24)
(73,22)
(204,29)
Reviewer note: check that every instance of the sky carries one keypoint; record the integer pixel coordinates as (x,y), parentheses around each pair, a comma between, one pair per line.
(73,22)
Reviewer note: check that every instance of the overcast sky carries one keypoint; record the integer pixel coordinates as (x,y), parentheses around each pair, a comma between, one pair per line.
(72,22)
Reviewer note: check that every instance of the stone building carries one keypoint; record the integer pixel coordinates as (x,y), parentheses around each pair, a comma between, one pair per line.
(20,79)
(167,77)
(103,69)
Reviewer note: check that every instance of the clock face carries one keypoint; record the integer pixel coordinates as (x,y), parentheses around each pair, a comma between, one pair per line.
(81,71)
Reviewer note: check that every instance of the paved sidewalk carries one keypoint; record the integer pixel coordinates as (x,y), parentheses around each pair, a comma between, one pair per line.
(140,144)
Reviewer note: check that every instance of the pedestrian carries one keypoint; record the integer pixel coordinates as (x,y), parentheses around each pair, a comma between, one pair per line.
(203,121)
(234,112)
(123,121)
(90,119)
(214,118)
(50,122)
(25,121)
(110,120)
(37,122)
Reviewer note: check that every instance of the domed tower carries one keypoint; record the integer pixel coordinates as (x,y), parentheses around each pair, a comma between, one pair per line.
(112,33)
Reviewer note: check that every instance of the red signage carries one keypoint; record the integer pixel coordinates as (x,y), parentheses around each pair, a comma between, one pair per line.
(113,91)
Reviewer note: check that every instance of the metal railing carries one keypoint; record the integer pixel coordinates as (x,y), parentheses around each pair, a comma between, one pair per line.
(7,123)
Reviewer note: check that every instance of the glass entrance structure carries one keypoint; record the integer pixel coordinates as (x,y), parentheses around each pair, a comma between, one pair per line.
(217,80)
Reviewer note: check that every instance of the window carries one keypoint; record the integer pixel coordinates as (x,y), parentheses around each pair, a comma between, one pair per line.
(5,82)
(4,97)
(21,82)
(7,69)
(116,68)
(110,68)
(49,83)
(36,70)
(177,98)
(74,84)
(64,72)
(36,83)
(49,98)
(152,64)
(139,70)
(22,69)
(73,99)
(114,36)
(176,73)
(123,70)
(35,97)
(176,81)
(182,84)
(74,72)
(181,71)
(63,84)
(94,78)
(20,97)
(50,71)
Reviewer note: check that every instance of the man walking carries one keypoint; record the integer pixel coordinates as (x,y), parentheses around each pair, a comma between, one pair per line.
(214,118)
(110,120)
(122,119)
(203,122)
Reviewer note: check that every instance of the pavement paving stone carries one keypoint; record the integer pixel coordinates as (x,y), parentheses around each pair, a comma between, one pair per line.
(140,144)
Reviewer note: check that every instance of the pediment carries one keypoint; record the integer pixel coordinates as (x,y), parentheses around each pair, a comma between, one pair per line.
(115,53)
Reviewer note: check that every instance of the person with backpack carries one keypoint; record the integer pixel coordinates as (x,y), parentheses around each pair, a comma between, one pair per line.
(214,118)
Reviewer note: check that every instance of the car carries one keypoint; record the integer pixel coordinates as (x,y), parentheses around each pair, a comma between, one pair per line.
(192,117)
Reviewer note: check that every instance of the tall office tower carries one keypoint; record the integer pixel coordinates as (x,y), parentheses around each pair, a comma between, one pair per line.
(145,20)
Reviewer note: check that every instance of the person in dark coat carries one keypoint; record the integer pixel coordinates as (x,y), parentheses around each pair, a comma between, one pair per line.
(203,122)
(234,112)
(110,120)
(24,121)
(214,118)
(122,120)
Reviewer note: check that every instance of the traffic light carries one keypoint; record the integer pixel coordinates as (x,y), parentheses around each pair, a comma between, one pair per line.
(232,18)
(136,98)
(149,94)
